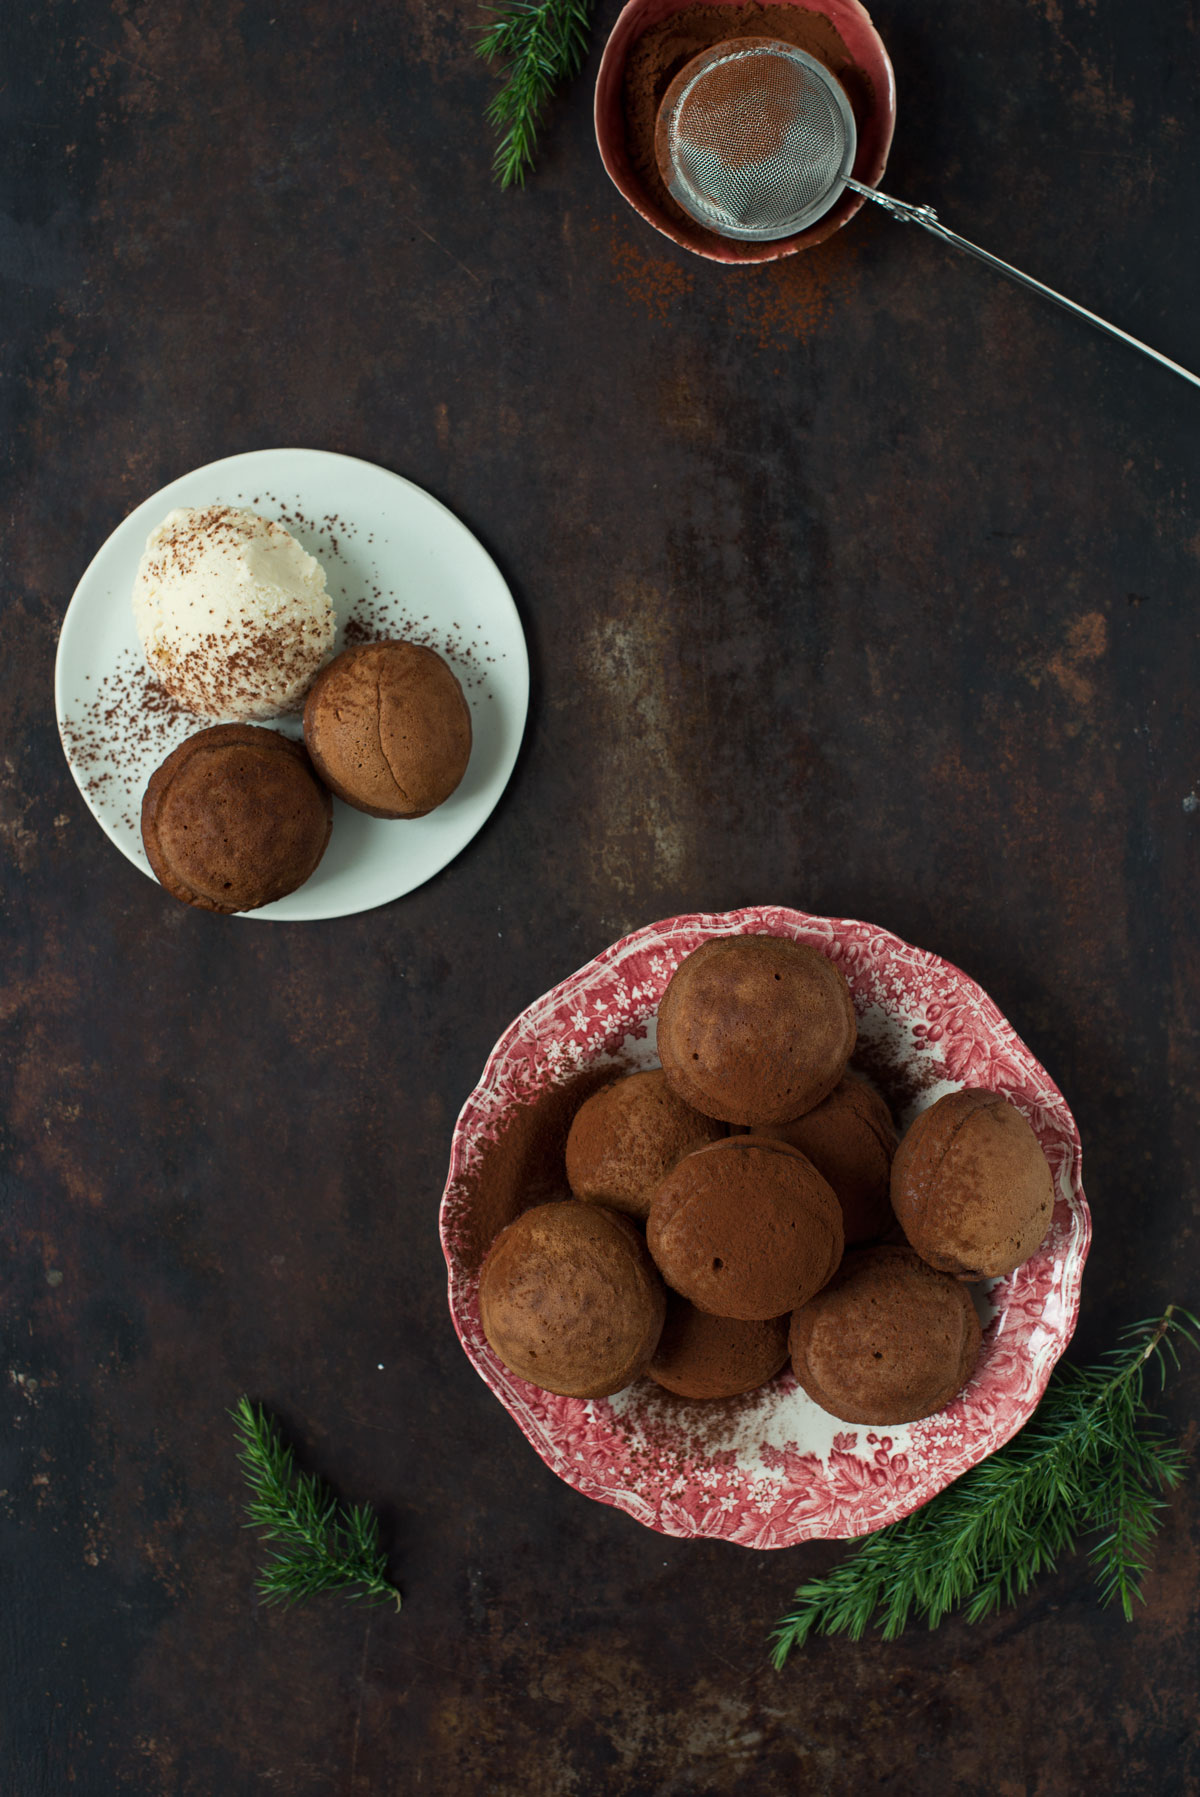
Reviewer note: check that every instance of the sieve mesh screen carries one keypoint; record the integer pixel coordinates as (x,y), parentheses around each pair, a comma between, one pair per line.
(759,139)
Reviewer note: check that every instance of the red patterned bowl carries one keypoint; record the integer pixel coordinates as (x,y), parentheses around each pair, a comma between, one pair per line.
(769,1469)
(874,102)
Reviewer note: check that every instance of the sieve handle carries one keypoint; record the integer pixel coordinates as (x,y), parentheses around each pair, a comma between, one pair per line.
(926,216)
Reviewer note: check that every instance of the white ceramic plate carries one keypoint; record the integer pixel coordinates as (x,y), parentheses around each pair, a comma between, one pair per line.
(397,562)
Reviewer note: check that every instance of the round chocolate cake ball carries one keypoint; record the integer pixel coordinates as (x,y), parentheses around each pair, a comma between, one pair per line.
(234,818)
(745,1228)
(388,729)
(570,1300)
(889,1340)
(850,1139)
(626,1138)
(971,1187)
(701,1356)
(755,1029)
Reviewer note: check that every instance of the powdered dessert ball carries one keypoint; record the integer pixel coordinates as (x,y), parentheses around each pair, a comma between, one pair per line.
(234,818)
(971,1187)
(232,613)
(627,1137)
(850,1139)
(745,1228)
(569,1299)
(388,729)
(889,1340)
(755,1029)
(702,1356)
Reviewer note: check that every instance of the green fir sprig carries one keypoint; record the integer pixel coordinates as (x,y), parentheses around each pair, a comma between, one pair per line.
(539,43)
(1093,1460)
(322,1544)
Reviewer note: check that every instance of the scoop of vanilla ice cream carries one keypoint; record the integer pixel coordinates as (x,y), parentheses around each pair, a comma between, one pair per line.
(232,613)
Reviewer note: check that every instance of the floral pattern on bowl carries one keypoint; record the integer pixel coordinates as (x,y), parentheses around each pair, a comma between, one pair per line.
(769,1469)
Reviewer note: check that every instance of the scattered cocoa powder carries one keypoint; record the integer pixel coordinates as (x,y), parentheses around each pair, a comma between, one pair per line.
(794,296)
(661,52)
(127,722)
(660,286)
(128,725)
(791,297)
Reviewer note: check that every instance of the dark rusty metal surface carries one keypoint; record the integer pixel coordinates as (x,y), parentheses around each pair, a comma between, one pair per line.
(863,583)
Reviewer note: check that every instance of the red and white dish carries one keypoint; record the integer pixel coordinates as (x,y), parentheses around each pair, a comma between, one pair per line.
(772,1469)
(875,118)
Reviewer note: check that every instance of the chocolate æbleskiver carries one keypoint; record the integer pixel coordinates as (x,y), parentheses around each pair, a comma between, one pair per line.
(570,1299)
(971,1188)
(889,1340)
(704,1357)
(235,818)
(745,1228)
(388,729)
(850,1139)
(625,1139)
(755,1029)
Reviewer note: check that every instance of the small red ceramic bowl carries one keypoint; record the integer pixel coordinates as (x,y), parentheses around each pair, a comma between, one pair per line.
(768,1469)
(873,101)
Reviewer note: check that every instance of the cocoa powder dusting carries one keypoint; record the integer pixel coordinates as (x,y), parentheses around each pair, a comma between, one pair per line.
(726,91)
(661,52)
(127,722)
(237,668)
(661,287)
(130,722)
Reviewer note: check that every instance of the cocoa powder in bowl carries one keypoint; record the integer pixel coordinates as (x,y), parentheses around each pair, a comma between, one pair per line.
(662,51)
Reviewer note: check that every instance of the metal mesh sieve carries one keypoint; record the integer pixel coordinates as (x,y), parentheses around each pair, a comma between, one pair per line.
(755,139)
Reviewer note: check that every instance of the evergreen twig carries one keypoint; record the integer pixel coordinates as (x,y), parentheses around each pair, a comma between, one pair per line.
(1093,1460)
(324,1545)
(540,44)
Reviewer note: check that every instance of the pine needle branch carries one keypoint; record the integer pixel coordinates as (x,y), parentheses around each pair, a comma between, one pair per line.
(323,1545)
(539,44)
(1093,1460)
